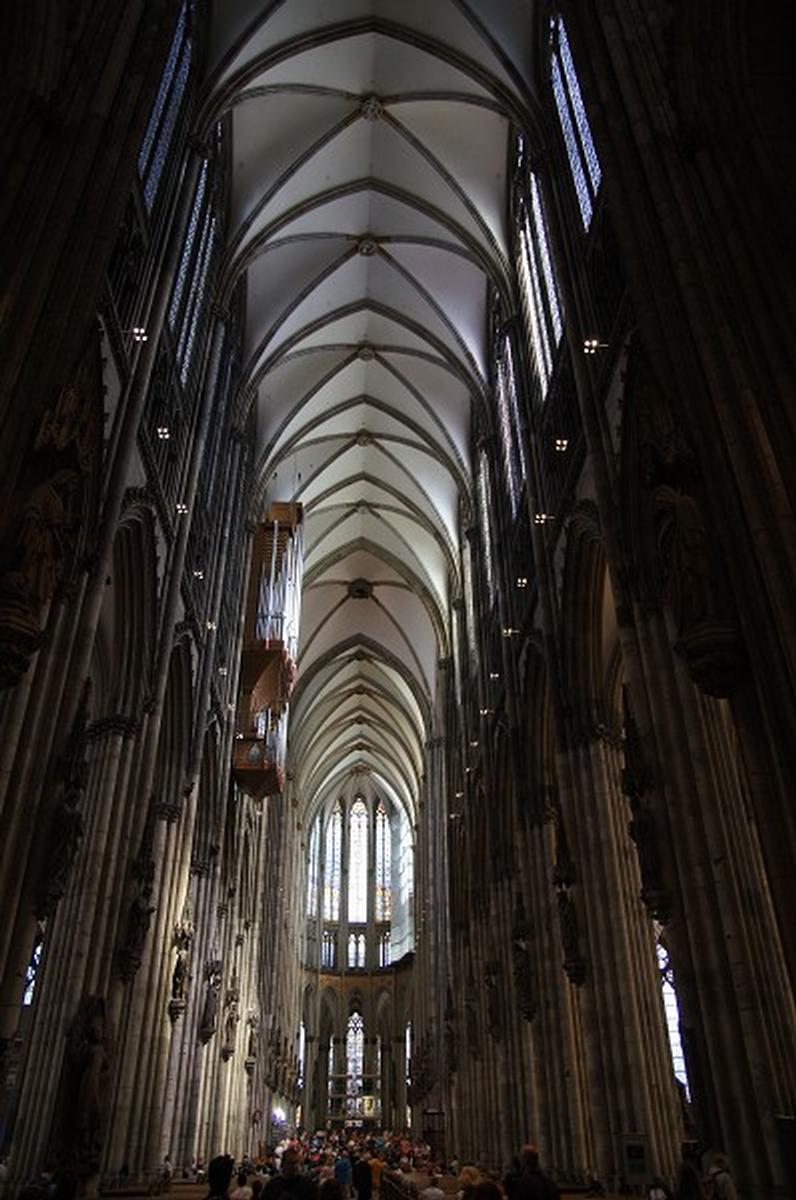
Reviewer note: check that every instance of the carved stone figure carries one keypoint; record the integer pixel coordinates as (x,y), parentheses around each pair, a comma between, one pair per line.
(521,963)
(139,918)
(39,544)
(208,1023)
(179,978)
(492,972)
(636,782)
(254,1035)
(139,912)
(66,823)
(82,1107)
(574,965)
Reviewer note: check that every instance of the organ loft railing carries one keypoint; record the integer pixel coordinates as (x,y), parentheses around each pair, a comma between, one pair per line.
(268,661)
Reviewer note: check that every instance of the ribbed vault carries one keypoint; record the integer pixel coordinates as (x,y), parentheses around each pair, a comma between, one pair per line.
(369,149)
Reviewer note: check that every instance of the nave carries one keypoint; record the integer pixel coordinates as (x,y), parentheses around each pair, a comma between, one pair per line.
(396,574)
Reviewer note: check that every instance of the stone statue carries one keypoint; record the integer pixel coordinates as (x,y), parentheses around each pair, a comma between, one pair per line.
(521,963)
(492,972)
(254,1035)
(66,824)
(574,966)
(139,918)
(82,1106)
(231,1024)
(207,1025)
(179,978)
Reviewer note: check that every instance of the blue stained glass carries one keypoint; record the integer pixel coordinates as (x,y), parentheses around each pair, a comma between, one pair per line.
(312,870)
(535,305)
(486,522)
(383,864)
(358,862)
(511,380)
(572,146)
(31,973)
(331,883)
(543,245)
(197,298)
(164,138)
(579,108)
(507,437)
(187,248)
(163,91)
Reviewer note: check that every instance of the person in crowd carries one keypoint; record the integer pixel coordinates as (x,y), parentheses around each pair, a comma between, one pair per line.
(290,1183)
(533,1184)
(362,1177)
(376,1168)
(720,1182)
(511,1179)
(219,1174)
(330,1189)
(689,1184)
(433,1191)
(242,1191)
(342,1172)
(468,1178)
(658,1190)
(488,1189)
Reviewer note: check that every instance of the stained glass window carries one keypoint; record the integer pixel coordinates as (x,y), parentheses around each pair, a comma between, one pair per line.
(672,1011)
(511,434)
(302,1052)
(312,870)
(356,950)
(384,949)
(331,881)
(358,862)
(188,305)
(537,281)
(383,864)
(584,164)
(355,1057)
(32,971)
(485,511)
(328,949)
(159,135)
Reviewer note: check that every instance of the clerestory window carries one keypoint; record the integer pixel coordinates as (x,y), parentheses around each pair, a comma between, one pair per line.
(584,164)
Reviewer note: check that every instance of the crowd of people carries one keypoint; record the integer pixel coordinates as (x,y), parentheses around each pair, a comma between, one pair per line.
(346,1166)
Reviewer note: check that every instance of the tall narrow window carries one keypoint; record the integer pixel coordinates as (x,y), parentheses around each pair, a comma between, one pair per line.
(406,876)
(187,304)
(383,864)
(329,949)
(331,878)
(584,164)
(356,951)
(312,870)
(672,1011)
(302,1052)
(159,134)
(358,862)
(355,1056)
(384,949)
(537,280)
(32,971)
(485,512)
(511,434)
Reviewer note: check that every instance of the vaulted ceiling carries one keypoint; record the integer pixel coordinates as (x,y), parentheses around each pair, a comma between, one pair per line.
(369,154)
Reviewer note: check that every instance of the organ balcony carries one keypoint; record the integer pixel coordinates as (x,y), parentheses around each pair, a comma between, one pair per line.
(268,658)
